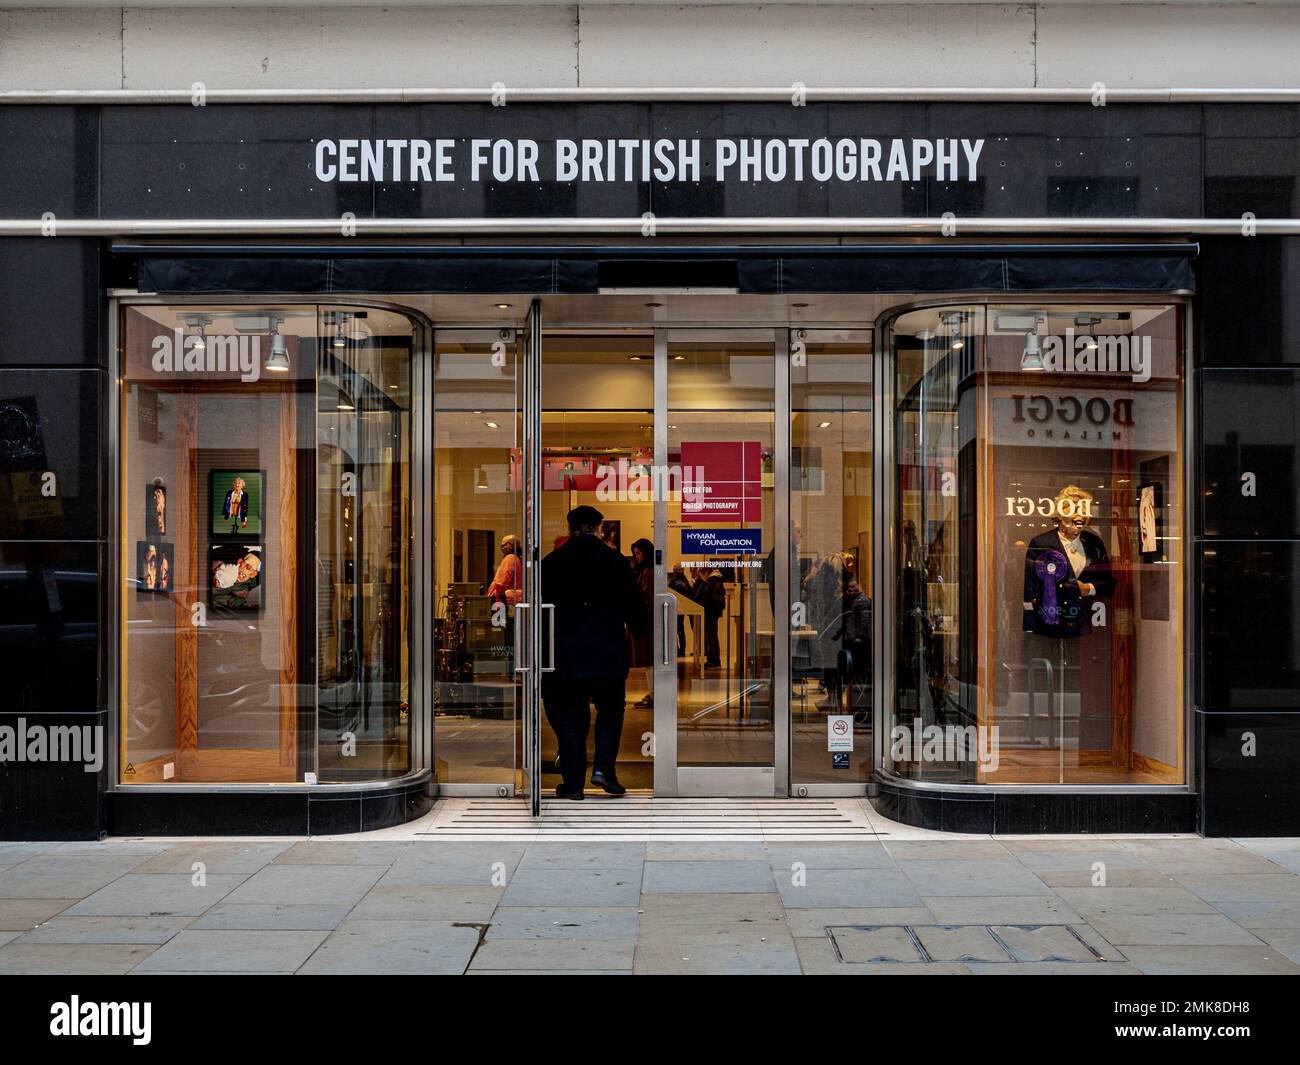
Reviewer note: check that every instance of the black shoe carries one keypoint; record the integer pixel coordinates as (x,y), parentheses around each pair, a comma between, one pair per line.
(561,792)
(610,785)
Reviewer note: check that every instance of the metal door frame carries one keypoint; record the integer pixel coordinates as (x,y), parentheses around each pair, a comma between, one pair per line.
(671,779)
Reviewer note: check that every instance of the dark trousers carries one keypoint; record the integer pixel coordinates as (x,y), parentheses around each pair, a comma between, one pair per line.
(712,646)
(568,709)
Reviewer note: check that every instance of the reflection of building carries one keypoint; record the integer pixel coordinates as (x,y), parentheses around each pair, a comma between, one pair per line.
(909,394)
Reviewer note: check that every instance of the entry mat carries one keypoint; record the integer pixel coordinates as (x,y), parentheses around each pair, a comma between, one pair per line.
(919,944)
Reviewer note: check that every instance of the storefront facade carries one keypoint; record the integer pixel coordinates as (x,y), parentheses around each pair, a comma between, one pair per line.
(953,443)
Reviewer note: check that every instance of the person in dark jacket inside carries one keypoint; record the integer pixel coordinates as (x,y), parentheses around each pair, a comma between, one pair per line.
(712,595)
(643,554)
(595,597)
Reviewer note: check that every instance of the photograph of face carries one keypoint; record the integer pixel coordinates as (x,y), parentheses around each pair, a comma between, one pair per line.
(236,576)
(1147,518)
(237,502)
(155,568)
(155,510)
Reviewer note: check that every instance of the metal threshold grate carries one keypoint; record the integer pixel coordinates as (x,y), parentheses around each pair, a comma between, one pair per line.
(640,818)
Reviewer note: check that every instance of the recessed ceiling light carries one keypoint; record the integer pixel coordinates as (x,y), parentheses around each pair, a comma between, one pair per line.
(492,425)
(635,358)
(504,306)
(679,358)
(823,425)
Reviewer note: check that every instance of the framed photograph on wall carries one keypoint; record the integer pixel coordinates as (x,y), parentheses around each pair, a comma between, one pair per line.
(237,498)
(155,509)
(236,575)
(155,568)
(1149,519)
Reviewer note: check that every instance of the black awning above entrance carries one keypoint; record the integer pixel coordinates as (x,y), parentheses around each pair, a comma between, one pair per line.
(752,269)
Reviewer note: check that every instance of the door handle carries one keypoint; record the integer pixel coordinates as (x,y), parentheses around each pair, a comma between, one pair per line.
(548,610)
(520,617)
(666,617)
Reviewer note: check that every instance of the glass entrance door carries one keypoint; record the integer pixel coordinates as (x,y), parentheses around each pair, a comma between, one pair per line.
(673,437)
(718,638)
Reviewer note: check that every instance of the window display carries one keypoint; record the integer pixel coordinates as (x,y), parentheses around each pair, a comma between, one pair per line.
(1038,499)
(228,415)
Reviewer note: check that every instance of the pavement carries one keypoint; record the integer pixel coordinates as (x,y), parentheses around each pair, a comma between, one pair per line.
(904,902)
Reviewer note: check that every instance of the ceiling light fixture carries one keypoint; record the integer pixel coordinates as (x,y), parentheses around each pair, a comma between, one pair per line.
(278,360)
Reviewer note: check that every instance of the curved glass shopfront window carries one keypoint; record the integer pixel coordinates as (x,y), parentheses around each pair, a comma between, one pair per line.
(265,531)
(1038,545)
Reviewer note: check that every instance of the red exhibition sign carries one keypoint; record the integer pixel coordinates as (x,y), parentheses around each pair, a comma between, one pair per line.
(722,481)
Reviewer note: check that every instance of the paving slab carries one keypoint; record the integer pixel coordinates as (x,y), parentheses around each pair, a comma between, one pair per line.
(376,947)
(1284,853)
(486,864)
(1199,960)
(287,916)
(973,877)
(107,930)
(720,851)
(12,854)
(1171,929)
(155,895)
(22,915)
(1067,855)
(762,913)
(721,951)
(216,856)
(1001,909)
(589,886)
(318,885)
(947,850)
(1287,940)
(1138,901)
(851,888)
(428,902)
(89,959)
(828,856)
(556,955)
(1114,876)
(69,881)
(547,922)
(727,877)
(1278,887)
(1203,856)
(233,951)
(804,924)
(566,855)
(312,852)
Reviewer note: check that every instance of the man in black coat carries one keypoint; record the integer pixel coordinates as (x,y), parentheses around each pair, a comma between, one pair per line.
(595,596)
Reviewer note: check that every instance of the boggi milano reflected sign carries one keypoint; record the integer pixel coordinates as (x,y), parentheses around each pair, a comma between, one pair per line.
(750,159)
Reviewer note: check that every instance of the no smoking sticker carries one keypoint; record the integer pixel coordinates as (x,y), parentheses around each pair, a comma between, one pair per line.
(839,732)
